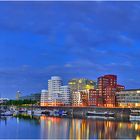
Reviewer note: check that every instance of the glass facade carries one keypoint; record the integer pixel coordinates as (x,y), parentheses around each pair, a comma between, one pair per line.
(128,98)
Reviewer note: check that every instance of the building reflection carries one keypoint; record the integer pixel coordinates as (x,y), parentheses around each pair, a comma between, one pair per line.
(64,128)
(53,127)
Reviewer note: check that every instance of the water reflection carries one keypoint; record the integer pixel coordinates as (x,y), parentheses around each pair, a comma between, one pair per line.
(35,120)
(66,128)
(87,129)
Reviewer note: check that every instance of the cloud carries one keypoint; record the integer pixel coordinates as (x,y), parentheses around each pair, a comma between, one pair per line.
(70,39)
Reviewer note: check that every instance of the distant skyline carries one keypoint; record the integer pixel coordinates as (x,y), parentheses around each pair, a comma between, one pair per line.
(68,39)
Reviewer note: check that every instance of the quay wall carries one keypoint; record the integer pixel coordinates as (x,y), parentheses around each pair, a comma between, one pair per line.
(82,111)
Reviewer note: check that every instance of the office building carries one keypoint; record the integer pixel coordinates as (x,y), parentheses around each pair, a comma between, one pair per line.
(128,98)
(78,85)
(84,95)
(44,101)
(76,98)
(81,84)
(65,95)
(54,85)
(94,99)
(107,88)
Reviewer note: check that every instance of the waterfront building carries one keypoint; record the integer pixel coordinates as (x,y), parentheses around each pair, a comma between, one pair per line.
(84,95)
(120,88)
(65,95)
(78,85)
(44,101)
(57,94)
(80,98)
(81,84)
(128,98)
(94,98)
(54,86)
(76,98)
(82,92)
(107,88)
(91,98)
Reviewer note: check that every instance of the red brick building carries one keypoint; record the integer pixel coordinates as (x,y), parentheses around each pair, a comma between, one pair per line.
(93,97)
(105,94)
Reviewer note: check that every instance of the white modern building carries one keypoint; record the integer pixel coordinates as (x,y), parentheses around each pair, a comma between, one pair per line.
(54,85)
(45,99)
(128,98)
(65,95)
(57,94)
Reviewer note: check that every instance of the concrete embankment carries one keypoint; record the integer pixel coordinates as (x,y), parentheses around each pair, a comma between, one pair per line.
(120,113)
(82,111)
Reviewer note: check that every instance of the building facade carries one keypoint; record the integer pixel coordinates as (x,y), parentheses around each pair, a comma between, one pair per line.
(76,98)
(57,94)
(54,85)
(81,84)
(128,98)
(84,97)
(82,92)
(44,101)
(93,97)
(78,90)
(107,88)
(65,95)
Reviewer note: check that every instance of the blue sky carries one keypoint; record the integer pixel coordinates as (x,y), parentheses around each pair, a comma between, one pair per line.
(69,39)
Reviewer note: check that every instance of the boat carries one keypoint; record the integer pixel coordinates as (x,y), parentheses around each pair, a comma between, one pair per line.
(106,114)
(29,112)
(65,113)
(45,112)
(56,113)
(37,112)
(134,115)
(6,113)
(15,112)
(51,113)
(22,110)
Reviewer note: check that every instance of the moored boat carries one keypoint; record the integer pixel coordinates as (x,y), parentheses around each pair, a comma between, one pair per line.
(37,112)
(134,115)
(6,113)
(29,112)
(106,114)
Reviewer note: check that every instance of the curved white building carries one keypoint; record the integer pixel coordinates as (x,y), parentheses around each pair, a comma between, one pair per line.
(44,97)
(54,85)
(56,95)
(65,95)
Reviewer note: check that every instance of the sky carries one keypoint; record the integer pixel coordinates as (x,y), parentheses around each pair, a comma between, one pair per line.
(68,39)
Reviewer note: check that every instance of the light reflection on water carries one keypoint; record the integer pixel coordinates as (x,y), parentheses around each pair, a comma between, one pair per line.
(87,129)
(66,128)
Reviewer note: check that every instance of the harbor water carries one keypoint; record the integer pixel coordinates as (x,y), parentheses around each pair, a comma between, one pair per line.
(44,127)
